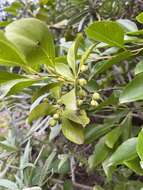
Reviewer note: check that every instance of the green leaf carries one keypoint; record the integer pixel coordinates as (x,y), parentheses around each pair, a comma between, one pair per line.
(139,67)
(133,91)
(56,92)
(6,76)
(12,9)
(104,65)
(134,165)
(108,32)
(33,38)
(8,184)
(10,55)
(125,152)
(93,132)
(4,23)
(38,101)
(140,145)
(100,153)
(112,137)
(62,170)
(72,53)
(15,86)
(45,89)
(72,131)
(69,100)
(126,126)
(108,169)
(41,110)
(64,71)
(77,117)
(139,18)
(135,33)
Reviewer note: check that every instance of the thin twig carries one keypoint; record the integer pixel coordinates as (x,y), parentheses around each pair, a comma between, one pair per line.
(84,187)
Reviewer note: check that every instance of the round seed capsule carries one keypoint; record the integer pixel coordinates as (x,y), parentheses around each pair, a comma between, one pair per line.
(52,122)
(82,81)
(96,96)
(94,103)
(79,102)
(56,116)
(82,93)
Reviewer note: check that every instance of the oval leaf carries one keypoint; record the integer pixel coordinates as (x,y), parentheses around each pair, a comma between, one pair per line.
(9,54)
(72,131)
(33,38)
(69,100)
(41,110)
(112,137)
(80,118)
(125,152)
(139,67)
(140,18)
(72,53)
(101,152)
(133,91)
(108,32)
(14,86)
(140,145)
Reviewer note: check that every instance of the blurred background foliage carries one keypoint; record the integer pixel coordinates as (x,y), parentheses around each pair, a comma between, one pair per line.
(69,16)
(65,18)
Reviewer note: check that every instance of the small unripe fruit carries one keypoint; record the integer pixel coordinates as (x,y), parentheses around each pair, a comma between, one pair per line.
(96,96)
(82,93)
(56,116)
(82,81)
(82,112)
(94,103)
(84,68)
(52,122)
(79,102)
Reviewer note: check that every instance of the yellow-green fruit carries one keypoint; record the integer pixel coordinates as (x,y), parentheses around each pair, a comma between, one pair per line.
(96,96)
(82,93)
(79,102)
(52,122)
(84,68)
(94,103)
(56,116)
(82,81)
